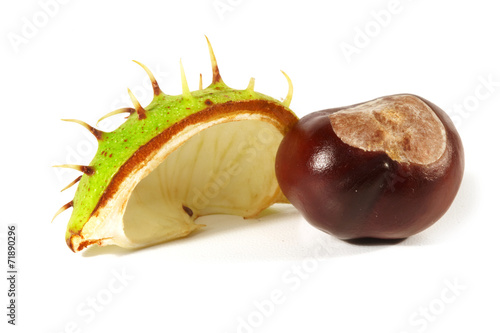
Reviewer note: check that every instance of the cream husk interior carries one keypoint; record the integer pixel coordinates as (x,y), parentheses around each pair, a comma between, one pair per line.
(225,169)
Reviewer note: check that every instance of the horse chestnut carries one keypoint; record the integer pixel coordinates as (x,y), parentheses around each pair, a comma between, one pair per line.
(385,169)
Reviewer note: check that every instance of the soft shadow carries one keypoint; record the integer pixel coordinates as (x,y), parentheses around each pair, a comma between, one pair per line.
(374,241)
(215,224)
(225,223)
(96,250)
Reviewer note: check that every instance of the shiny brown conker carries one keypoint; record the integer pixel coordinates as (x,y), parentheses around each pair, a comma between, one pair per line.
(385,169)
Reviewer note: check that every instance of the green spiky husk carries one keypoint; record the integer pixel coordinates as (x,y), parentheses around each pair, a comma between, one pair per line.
(116,147)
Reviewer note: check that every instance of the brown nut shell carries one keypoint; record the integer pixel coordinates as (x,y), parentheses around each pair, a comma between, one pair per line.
(354,192)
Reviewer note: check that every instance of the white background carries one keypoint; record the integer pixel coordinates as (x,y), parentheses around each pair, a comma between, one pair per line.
(277,273)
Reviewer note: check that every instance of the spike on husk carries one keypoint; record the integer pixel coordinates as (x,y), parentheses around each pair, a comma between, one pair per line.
(251,84)
(137,106)
(154,83)
(86,169)
(216,78)
(288,98)
(72,183)
(62,209)
(112,113)
(97,133)
(185,88)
